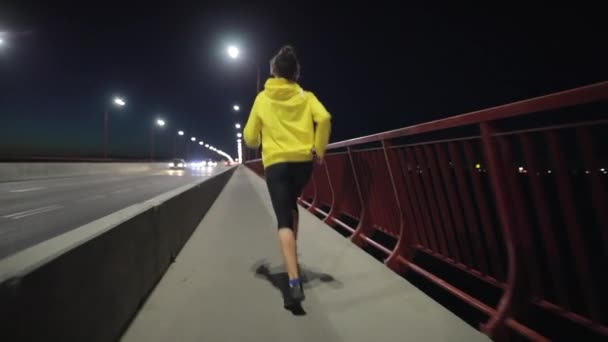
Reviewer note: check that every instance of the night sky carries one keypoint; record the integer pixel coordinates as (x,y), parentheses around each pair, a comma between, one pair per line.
(375,67)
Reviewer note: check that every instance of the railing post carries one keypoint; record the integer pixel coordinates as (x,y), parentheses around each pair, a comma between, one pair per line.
(315,194)
(357,237)
(402,247)
(330,216)
(495,327)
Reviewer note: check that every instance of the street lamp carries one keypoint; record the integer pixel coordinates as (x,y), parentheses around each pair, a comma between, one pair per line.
(239,150)
(193,139)
(239,135)
(117,101)
(179,133)
(200,143)
(234,52)
(237,126)
(236,108)
(158,123)
(207,145)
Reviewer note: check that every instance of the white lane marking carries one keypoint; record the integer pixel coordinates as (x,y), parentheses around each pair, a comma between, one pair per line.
(29,189)
(27,213)
(122,191)
(92,198)
(89,181)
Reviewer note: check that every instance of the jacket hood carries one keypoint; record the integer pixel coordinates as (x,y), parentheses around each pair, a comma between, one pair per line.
(282,90)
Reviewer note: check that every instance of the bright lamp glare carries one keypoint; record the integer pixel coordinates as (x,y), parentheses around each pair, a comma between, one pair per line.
(237,126)
(207,145)
(119,102)
(180,133)
(160,122)
(233,52)
(236,107)
(200,143)
(239,135)
(193,139)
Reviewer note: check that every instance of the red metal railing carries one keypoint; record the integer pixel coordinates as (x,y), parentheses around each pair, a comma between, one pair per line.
(514,198)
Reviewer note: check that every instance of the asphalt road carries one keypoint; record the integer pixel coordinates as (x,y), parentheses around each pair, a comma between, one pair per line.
(34,211)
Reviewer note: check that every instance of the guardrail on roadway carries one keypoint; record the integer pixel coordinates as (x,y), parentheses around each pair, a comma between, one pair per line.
(87,284)
(504,209)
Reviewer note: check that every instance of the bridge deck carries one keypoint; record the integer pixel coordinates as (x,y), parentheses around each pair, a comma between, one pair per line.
(218,290)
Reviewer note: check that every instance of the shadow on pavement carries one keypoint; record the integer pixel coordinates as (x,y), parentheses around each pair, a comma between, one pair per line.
(277,276)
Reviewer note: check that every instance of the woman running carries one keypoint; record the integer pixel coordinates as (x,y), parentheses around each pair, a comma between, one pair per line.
(283,120)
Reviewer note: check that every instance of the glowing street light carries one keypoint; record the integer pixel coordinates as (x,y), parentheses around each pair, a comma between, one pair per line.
(236,108)
(120,102)
(181,134)
(207,145)
(237,126)
(233,52)
(158,123)
(200,143)
(1,41)
(239,135)
(193,139)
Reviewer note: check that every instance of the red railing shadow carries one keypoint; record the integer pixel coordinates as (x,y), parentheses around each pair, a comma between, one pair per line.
(511,199)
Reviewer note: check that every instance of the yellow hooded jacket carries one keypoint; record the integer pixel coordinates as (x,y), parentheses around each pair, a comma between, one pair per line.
(285,116)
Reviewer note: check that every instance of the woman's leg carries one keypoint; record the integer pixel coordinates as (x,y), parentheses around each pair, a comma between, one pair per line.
(301,175)
(280,187)
(296,222)
(290,252)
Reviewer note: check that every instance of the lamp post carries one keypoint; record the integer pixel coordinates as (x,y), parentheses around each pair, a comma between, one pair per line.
(234,52)
(179,134)
(119,102)
(157,123)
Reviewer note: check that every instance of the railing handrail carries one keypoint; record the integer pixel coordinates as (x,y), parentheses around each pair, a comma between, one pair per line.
(577,96)
(430,195)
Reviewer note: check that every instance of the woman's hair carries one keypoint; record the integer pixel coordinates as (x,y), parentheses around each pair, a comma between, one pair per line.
(285,64)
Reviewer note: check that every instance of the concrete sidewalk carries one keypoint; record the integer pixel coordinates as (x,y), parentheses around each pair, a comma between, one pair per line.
(224,285)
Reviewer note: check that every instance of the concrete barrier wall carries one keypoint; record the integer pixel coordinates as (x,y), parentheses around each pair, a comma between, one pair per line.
(90,290)
(28,171)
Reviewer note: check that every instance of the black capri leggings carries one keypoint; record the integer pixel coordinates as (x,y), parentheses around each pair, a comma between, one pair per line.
(285,183)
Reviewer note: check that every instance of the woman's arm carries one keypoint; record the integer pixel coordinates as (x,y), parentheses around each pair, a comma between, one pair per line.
(322,118)
(253,127)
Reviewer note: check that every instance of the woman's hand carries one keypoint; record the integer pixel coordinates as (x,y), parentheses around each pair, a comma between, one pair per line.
(317,157)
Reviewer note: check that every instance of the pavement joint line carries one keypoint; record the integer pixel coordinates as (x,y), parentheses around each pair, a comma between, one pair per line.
(91,198)
(122,191)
